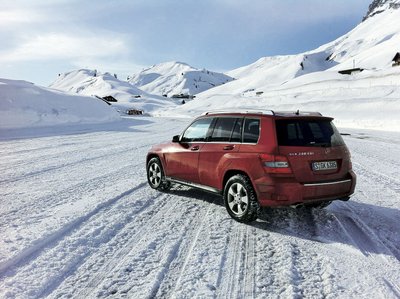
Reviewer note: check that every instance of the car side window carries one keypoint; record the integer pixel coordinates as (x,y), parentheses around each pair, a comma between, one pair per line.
(237,131)
(223,129)
(197,131)
(251,130)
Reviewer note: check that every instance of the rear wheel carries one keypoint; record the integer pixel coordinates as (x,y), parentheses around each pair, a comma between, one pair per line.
(240,199)
(155,175)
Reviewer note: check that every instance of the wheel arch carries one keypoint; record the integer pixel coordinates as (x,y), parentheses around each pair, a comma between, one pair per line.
(230,173)
(151,156)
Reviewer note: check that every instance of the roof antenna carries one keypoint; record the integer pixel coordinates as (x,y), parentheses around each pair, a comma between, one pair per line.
(297,112)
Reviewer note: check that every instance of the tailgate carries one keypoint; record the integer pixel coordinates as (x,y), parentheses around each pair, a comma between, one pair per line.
(316,164)
(314,148)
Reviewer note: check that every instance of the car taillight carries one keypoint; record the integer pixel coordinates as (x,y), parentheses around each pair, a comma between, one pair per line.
(350,163)
(275,163)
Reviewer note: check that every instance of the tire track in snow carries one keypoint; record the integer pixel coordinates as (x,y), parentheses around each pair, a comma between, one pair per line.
(362,235)
(72,193)
(15,153)
(231,281)
(249,281)
(273,265)
(174,277)
(30,253)
(388,182)
(109,253)
(310,271)
(126,244)
(59,166)
(370,246)
(148,263)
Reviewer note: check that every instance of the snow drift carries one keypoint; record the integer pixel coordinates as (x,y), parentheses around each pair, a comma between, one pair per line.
(23,104)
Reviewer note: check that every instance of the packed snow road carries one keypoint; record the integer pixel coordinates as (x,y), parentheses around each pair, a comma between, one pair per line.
(77,219)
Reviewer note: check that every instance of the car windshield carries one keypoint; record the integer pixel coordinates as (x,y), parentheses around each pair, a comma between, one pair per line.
(295,132)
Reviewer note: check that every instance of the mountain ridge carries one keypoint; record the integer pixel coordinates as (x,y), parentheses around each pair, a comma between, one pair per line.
(379,6)
(174,78)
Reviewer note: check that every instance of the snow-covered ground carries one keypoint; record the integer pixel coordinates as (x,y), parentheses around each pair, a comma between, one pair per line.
(78,220)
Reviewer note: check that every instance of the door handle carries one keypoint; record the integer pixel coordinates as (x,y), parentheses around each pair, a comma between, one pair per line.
(229,147)
(195,148)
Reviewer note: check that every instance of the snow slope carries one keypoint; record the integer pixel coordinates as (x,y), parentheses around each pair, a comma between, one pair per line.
(370,99)
(174,78)
(371,45)
(78,220)
(23,104)
(92,82)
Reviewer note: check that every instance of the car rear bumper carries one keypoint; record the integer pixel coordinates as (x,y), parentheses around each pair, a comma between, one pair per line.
(286,191)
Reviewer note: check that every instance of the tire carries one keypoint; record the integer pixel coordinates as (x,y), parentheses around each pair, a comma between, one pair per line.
(240,199)
(156,176)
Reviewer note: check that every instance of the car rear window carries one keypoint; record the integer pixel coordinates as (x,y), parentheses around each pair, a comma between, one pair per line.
(295,132)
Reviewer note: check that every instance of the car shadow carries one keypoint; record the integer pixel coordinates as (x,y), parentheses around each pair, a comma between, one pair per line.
(365,227)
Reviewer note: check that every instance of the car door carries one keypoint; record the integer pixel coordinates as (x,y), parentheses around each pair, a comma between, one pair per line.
(224,141)
(183,158)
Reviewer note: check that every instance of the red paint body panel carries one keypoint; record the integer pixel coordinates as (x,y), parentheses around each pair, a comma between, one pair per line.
(208,163)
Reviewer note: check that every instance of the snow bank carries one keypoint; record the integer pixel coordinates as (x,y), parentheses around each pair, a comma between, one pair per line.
(22,104)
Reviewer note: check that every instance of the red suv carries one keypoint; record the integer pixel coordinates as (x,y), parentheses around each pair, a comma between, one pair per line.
(257,159)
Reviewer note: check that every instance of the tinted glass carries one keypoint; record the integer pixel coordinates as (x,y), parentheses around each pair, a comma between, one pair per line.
(197,130)
(223,129)
(307,133)
(237,131)
(251,130)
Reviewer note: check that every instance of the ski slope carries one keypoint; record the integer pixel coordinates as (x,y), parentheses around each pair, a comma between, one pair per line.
(78,220)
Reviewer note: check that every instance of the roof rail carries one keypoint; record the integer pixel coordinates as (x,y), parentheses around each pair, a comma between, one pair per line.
(246,111)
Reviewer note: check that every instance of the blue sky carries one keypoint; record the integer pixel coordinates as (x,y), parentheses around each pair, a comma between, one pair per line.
(42,38)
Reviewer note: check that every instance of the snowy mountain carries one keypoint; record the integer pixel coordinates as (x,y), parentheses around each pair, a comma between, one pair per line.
(378,6)
(371,45)
(92,82)
(311,80)
(23,104)
(174,78)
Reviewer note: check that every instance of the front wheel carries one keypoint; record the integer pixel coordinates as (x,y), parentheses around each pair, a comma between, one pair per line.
(240,199)
(155,175)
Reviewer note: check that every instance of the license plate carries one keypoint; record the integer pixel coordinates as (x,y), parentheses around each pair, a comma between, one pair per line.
(325,165)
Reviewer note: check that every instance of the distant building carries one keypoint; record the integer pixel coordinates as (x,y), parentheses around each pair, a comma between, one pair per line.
(396,59)
(110,99)
(183,96)
(97,97)
(134,112)
(351,71)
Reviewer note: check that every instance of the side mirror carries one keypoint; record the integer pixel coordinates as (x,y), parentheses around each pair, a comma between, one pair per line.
(175,138)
